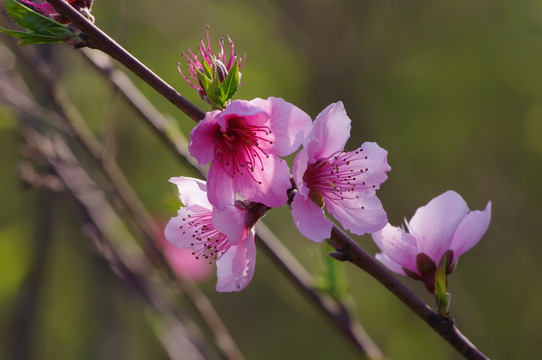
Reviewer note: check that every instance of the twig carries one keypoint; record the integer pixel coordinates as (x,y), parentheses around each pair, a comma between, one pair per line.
(445,327)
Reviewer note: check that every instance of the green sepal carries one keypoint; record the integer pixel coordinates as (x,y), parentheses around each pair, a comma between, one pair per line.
(40,29)
(441,295)
(231,82)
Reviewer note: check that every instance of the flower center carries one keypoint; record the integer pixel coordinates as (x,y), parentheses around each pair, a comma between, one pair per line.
(337,177)
(239,149)
(209,243)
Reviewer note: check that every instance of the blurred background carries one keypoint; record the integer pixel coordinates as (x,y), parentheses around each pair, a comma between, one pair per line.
(453,91)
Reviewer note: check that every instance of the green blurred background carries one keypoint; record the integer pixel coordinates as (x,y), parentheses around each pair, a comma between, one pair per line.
(452,89)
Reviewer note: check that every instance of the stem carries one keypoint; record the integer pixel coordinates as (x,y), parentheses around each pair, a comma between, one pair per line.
(103,42)
(445,327)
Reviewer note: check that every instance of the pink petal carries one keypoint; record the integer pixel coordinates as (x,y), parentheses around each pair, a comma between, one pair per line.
(374,162)
(470,231)
(220,191)
(397,246)
(331,129)
(298,170)
(289,124)
(231,222)
(435,223)
(192,191)
(390,264)
(310,219)
(360,216)
(176,231)
(203,138)
(235,268)
(242,109)
(275,182)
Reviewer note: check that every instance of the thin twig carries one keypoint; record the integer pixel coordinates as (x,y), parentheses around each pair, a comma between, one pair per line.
(443,326)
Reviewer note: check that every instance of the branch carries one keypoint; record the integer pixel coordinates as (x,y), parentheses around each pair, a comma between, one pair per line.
(445,327)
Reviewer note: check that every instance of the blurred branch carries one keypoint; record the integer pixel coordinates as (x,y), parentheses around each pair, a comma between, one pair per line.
(445,327)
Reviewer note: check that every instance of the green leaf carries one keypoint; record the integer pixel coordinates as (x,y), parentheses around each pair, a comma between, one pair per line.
(27,38)
(231,82)
(40,29)
(205,82)
(207,69)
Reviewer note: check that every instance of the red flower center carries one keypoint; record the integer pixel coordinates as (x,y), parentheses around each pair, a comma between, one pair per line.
(239,147)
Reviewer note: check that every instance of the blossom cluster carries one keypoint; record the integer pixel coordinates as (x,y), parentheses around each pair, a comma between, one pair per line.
(245,143)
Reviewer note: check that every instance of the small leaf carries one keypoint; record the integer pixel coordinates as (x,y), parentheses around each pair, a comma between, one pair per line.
(231,82)
(27,38)
(205,82)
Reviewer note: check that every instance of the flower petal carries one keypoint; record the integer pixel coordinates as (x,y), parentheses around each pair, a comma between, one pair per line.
(288,123)
(269,186)
(373,160)
(310,219)
(390,264)
(192,191)
(397,246)
(203,138)
(235,268)
(435,223)
(177,232)
(331,129)
(298,170)
(231,222)
(242,109)
(470,231)
(361,215)
(220,191)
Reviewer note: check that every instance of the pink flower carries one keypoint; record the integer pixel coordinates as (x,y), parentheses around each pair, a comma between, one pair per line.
(344,182)
(242,143)
(225,237)
(438,234)
(83,6)
(219,63)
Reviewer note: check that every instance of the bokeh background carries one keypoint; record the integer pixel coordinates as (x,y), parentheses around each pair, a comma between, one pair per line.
(452,89)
